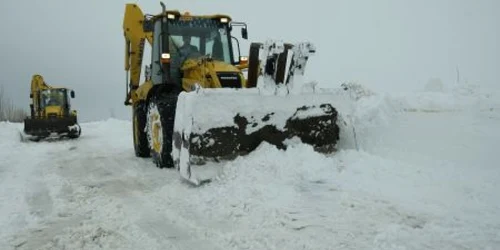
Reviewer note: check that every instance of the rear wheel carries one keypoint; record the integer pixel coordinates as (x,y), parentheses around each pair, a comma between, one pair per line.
(160,127)
(141,145)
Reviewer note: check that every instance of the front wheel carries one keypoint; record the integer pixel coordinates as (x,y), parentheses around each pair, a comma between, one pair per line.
(160,127)
(74,134)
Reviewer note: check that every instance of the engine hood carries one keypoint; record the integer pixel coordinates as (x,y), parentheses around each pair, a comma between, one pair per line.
(209,73)
(53,111)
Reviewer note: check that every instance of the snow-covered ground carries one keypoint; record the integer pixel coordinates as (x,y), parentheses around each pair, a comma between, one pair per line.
(423,173)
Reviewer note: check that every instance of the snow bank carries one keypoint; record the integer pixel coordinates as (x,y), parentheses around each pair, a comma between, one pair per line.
(298,199)
(9,132)
(366,111)
(463,97)
(371,108)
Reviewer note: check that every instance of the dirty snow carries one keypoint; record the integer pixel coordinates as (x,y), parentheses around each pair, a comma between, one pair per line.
(425,176)
(259,108)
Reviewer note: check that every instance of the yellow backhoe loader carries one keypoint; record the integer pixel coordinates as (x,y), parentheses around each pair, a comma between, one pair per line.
(51,116)
(197,105)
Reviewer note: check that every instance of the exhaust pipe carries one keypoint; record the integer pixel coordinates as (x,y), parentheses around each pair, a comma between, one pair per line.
(163,8)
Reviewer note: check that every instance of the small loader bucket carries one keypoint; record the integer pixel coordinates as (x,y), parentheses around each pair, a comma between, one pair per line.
(38,128)
(221,124)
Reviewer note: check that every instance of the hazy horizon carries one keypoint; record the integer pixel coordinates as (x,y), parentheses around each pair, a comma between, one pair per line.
(384,45)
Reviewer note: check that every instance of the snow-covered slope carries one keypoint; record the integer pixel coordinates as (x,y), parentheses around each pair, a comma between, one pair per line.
(421,173)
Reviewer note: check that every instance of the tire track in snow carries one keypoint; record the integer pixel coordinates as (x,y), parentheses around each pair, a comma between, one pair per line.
(102,200)
(130,193)
(25,200)
(40,202)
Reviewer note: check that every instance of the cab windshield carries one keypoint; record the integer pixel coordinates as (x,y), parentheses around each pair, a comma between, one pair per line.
(207,37)
(53,97)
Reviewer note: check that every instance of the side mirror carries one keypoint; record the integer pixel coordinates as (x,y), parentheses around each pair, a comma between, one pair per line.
(244,33)
(72,93)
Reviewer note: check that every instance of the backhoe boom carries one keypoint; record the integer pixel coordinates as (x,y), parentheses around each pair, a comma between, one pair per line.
(135,38)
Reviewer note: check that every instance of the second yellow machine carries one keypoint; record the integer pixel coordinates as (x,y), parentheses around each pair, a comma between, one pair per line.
(51,115)
(198,104)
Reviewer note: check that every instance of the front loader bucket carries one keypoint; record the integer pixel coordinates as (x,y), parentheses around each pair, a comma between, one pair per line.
(41,128)
(221,124)
(278,107)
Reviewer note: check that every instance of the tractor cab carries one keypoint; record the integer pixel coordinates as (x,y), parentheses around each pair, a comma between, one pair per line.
(182,42)
(55,102)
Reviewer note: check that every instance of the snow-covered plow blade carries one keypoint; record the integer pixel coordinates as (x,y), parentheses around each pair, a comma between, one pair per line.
(277,108)
(214,125)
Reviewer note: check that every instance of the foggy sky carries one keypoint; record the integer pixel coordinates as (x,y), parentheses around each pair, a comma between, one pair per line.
(383,44)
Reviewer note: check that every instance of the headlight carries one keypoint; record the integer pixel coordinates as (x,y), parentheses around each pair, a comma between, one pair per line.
(165,58)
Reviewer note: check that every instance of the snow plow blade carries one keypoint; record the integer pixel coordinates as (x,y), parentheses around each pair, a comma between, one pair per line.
(222,124)
(278,108)
(36,129)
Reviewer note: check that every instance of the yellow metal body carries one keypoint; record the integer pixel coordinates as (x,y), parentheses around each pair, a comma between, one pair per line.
(50,112)
(197,70)
(210,65)
(194,70)
(38,85)
(135,38)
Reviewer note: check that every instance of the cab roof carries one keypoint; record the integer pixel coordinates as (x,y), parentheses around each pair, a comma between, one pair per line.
(187,15)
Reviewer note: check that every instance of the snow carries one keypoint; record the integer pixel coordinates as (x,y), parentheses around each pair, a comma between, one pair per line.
(422,173)
(183,126)
(216,108)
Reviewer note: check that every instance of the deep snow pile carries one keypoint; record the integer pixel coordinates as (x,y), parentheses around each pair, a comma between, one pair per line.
(425,177)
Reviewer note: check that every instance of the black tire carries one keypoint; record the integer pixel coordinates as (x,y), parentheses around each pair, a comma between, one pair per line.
(75,135)
(160,123)
(141,145)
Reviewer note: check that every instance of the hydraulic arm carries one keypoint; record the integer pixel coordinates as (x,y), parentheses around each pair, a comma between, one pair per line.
(135,37)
